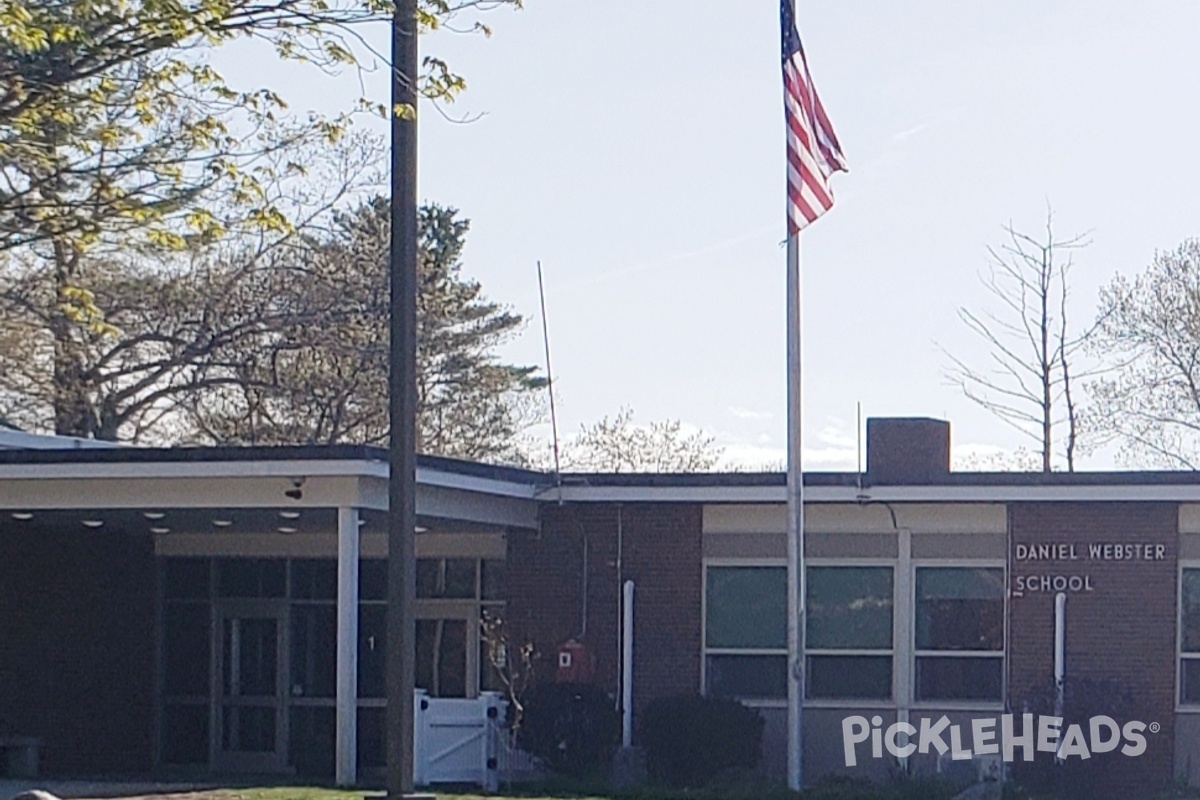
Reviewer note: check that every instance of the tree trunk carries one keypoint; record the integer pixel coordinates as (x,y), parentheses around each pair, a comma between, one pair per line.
(71,417)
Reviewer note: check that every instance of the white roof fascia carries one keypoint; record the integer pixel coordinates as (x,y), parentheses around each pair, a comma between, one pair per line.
(310,468)
(473,483)
(1140,493)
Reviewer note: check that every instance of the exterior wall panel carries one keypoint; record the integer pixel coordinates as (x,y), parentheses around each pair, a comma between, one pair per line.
(77,644)
(1120,623)
(660,552)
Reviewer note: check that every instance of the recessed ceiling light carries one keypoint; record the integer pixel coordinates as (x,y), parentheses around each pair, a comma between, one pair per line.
(222,523)
(22,515)
(285,529)
(290,514)
(160,530)
(153,514)
(93,523)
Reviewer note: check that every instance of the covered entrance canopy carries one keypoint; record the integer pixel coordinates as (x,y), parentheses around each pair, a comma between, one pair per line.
(224,607)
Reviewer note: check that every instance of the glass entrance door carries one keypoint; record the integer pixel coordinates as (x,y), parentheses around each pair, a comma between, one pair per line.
(447,648)
(250,728)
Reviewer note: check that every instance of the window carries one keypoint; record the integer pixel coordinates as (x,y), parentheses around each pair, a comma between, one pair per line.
(848,633)
(745,632)
(959,633)
(186,646)
(1189,637)
(452,595)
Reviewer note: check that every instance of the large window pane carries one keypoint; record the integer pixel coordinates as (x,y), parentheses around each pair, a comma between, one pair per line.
(372,743)
(849,608)
(314,651)
(185,734)
(312,743)
(1190,690)
(441,667)
(372,647)
(960,678)
(372,579)
(314,579)
(186,649)
(250,577)
(1190,600)
(960,609)
(186,579)
(746,607)
(850,677)
(491,582)
(747,676)
(446,577)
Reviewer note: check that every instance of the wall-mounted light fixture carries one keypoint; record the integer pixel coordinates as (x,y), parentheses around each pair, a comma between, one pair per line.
(295,492)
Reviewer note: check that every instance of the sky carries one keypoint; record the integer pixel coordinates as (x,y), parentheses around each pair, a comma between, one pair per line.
(636,148)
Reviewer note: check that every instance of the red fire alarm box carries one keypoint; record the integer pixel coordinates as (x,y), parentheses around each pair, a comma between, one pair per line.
(576,664)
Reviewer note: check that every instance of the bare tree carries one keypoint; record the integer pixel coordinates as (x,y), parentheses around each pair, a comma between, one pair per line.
(1030,380)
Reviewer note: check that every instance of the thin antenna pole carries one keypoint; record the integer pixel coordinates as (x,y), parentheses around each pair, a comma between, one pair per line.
(858,434)
(549,381)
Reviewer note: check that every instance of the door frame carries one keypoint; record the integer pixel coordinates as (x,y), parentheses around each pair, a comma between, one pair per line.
(466,611)
(240,762)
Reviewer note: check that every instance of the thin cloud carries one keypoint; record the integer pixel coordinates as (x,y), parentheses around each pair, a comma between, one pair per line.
(913,131)
(674,258)
(746,413)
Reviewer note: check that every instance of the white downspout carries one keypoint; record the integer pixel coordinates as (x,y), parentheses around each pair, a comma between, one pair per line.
(1060,655)
(627,668)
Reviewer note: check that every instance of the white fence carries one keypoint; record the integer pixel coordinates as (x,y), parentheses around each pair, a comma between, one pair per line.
(464,741)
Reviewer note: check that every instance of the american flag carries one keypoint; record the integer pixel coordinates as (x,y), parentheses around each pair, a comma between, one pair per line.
(813,152)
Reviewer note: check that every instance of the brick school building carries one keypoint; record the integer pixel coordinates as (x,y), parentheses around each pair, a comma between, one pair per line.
(177,610)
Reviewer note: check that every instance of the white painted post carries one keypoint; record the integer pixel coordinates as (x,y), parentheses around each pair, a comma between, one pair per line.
(1060,655)
(493,709)
(627,667)
(1060,651)
(420,736)
(346,765)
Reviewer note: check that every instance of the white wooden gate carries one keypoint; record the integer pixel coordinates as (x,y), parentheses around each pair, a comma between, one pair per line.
(459,741)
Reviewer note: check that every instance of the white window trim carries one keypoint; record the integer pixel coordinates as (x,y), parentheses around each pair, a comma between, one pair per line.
(1002,653)
(1181,706)
(706,651)
(856,702)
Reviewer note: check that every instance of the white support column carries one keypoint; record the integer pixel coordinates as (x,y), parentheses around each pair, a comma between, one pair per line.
(346,761)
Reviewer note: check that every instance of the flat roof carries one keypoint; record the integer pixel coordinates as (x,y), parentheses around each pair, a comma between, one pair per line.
(547,480)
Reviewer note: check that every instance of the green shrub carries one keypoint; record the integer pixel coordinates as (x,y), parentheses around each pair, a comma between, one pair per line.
(573,728)
(690,739)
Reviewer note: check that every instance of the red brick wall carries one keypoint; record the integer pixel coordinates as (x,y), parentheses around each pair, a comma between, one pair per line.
(660,553)
(77,647)
(1121,633)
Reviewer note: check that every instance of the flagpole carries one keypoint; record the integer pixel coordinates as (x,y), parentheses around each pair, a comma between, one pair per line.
(795,518)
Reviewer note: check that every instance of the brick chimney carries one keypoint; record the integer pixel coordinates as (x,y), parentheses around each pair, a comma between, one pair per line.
(907,450)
